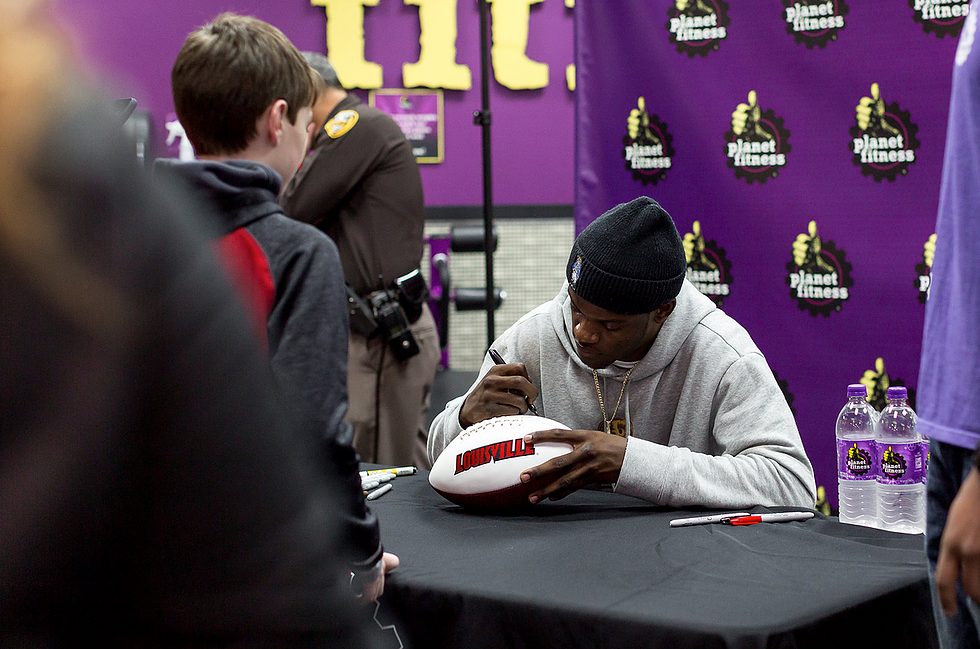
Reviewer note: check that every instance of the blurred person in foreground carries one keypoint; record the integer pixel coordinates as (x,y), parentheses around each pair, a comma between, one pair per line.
(151,492)
(949,376)
(250,138)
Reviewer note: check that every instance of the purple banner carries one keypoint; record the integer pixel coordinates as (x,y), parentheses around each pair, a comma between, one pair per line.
(798,145)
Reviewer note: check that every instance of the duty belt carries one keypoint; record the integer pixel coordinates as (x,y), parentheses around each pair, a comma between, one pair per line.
(413,311)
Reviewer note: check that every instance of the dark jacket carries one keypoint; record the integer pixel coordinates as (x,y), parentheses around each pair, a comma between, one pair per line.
(307,326)
(362,187)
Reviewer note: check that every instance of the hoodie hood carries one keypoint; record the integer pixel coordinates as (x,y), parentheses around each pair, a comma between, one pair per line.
(241,191)
(692,307)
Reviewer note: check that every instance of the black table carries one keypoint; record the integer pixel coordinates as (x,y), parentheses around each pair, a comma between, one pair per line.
(604,570)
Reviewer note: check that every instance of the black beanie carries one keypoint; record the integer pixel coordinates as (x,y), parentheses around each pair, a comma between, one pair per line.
(630,260)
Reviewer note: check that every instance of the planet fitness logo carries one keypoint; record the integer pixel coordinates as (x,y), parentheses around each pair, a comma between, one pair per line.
(708,267)
(923,270)
(941,17)
(883,139)
(819,275)
(814,23)
(697,27)
(649,148)
(878,381)
(893,464)
(757,144)
(859,461)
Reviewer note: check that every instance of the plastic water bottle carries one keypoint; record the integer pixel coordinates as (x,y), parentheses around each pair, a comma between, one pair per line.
(857,489)
(901,493)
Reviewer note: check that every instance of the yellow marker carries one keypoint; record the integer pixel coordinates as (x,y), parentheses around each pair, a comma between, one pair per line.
(398,471)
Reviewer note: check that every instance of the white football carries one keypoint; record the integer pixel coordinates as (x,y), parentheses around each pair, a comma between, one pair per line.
(481,468)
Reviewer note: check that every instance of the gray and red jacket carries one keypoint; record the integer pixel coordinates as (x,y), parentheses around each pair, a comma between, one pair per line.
(289,275)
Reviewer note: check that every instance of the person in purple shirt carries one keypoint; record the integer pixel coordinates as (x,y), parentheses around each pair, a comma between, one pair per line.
(949,377)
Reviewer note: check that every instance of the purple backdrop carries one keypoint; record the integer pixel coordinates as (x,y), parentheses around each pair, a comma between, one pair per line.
(809,87)
(136,42)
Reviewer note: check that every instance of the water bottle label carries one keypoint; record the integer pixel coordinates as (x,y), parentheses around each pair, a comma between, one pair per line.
(925,461)
(901,463)
(856,459)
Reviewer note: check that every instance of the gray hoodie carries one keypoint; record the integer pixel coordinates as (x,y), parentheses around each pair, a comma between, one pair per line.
(709,426)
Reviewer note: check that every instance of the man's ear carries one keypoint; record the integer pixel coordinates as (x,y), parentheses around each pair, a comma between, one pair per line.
(661,312)
(271,122)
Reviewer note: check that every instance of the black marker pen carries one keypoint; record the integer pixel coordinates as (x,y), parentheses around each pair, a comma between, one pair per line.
(499,360)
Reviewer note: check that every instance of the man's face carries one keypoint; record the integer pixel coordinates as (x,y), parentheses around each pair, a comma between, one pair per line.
(321,109)
(602,337)
(295,142)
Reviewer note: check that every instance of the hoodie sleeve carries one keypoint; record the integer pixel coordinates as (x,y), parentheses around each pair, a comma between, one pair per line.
(520,343)
(759,458)
(308,345)
(445,427)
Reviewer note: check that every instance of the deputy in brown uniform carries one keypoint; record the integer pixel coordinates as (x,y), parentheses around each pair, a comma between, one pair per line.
(360,184)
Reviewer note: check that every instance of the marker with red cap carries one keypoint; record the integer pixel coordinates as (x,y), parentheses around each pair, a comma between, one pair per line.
(780,517)
(705,520)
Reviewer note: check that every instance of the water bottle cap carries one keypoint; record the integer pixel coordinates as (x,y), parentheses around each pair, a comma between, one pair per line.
(857,390)
(898,392)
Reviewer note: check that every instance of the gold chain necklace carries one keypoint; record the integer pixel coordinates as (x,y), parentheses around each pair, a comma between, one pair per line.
(602,406)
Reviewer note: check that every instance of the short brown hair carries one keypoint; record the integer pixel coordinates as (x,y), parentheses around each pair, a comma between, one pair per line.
(227,73)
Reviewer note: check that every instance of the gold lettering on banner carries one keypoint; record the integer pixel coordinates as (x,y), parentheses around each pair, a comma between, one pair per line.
(570,68)
(511,66)
(437,66)
(438,34)
(345,42)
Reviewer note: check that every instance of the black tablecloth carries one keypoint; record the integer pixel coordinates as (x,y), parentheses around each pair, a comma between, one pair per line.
(604,570)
